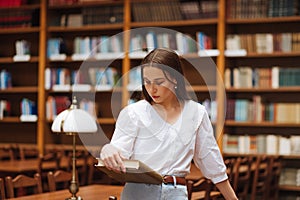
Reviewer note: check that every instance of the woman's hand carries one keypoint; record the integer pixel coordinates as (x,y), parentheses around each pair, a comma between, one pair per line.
(112,158)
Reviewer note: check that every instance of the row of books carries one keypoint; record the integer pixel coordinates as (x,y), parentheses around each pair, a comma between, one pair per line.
(169,10)
(178,41)
(211,108)
(271,77)
(89,16)
(105,47)
(261,144)
(245,110)
(83,47)
(28,110)
(5,79)
(264,42)
(63,79)
(183,43)
(104,78)
(103,15)
(172,10)
(5,108)
(12,3)
(67,2)
(94,45)
(290,176)
(61,2)
(18,18)
(156,11)
(135,79)
(57,104)
(22,47)
(246,9)
(199,9)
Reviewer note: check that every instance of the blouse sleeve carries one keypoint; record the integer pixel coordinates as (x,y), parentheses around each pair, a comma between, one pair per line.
(125,132)
(207,155)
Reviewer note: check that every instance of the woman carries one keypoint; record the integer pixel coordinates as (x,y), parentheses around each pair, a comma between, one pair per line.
(165,130)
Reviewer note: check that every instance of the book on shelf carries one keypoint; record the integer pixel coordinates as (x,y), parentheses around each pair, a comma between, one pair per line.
(290,176)
(28,107)
(5,108)
(5,79)
(136,172)
(157,11)
(190,10)
(102,14)
(264,77)
(56,49)
(262,43)
(237,9)
(255,110)
(270,144)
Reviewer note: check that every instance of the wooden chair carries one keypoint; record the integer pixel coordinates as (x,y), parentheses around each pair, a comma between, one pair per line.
(28,151)
(203,189)
(2,189)
(59,179)
(48,162)
(230,162)
(23,182)
(96,176)
(260,185)
(242,177)
(92,171)
(273,179)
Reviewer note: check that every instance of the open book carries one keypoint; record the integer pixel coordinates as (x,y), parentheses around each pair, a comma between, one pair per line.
(136,172)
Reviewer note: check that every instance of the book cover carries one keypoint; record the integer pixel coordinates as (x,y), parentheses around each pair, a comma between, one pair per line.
(136,172)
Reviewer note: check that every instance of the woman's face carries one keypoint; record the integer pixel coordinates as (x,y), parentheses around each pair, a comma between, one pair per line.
(157,85)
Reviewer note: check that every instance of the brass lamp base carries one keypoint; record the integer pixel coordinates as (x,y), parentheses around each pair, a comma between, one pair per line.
(74,198)
(74,186)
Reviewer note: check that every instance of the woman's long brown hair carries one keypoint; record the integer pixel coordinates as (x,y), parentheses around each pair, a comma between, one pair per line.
(169,62)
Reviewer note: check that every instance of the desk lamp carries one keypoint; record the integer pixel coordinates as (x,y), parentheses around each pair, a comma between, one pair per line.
(71,122)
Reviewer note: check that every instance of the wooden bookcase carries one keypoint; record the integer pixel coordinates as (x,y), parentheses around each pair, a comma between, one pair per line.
(23,70)
(29,76)
(275,26)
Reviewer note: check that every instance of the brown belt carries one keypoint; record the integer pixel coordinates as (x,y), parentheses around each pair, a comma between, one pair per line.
(179,180)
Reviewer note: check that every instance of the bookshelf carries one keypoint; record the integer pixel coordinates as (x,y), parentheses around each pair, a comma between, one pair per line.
(20,57)
(270,91)
(79,23)
(71,21)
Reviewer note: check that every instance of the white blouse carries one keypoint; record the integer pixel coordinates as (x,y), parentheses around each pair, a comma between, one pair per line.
(142,134)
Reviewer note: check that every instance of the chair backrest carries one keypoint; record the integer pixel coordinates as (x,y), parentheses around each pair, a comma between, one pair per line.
(203,189)
(52,159)
(260,179)
(28,151)
(23,181)
(59,177)
(230,162)
(6,152)
(273,179)
(241,176)
(2,189)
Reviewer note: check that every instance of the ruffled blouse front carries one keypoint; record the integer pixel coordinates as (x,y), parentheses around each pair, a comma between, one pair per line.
(142,134)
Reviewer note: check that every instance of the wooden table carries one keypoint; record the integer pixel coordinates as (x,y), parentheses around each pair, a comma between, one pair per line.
(90,192)
(19,166)
(30,165)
